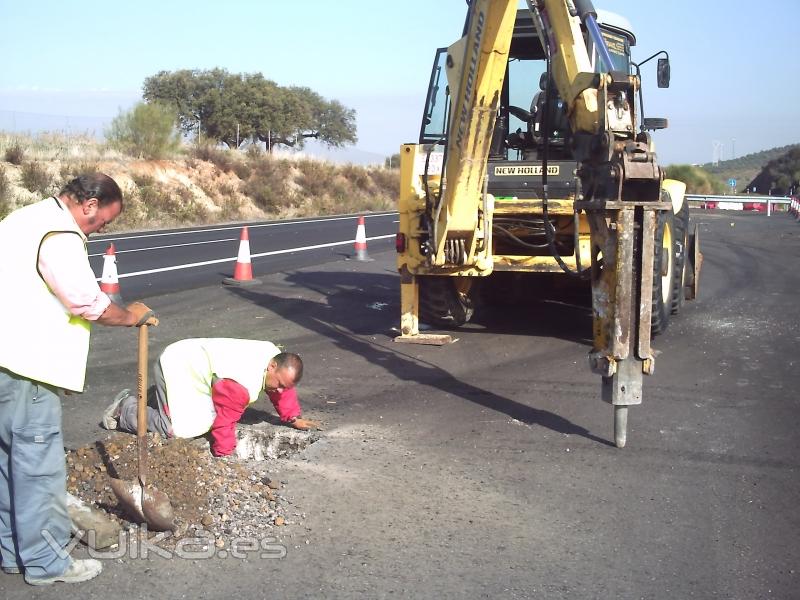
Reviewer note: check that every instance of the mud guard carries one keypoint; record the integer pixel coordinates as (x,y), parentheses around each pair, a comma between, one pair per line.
(695,263)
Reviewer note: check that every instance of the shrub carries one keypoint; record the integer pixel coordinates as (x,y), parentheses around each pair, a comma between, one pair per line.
(5,193)
(221,158)
(242,169)
(254,152)
(70,170)
(387,182)
(15,154)
(35,178)
(697,179)
(316,177)
(358,176)
(146,131)
(268,185)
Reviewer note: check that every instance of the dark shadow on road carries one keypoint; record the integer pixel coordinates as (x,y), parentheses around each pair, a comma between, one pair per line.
(254,416)
(343,318)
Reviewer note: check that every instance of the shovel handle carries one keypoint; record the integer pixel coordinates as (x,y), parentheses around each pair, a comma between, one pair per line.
(141,416)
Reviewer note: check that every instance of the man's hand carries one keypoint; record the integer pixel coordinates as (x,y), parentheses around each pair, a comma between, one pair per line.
(144,314)
(306,424)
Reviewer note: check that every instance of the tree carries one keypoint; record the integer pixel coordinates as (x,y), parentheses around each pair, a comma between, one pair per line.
(145,131)
(780,176)
(221,104)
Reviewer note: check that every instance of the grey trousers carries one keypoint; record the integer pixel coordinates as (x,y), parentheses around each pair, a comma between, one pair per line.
(34,523)
(157,418)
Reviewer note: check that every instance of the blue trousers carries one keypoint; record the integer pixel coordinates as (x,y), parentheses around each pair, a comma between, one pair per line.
(34,523)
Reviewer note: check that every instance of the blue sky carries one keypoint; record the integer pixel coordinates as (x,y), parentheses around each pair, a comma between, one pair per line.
(734,63)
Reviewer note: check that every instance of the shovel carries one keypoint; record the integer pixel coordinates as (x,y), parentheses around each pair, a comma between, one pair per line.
(145,504)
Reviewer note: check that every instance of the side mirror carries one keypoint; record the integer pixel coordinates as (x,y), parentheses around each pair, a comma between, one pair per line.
(662,72)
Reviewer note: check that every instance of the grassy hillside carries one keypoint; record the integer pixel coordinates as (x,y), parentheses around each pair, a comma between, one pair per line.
(745,168)
(199,185)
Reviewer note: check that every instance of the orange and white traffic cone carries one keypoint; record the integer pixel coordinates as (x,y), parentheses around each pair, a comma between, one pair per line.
(361,241)
(243,272)
(109,281)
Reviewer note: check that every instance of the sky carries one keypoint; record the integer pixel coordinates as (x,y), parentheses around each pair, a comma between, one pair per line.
(74,64)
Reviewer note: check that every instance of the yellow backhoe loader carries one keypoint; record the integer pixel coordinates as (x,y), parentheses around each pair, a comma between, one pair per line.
(535,160)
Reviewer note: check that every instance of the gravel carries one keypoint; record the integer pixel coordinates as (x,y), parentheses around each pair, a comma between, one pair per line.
(226,498)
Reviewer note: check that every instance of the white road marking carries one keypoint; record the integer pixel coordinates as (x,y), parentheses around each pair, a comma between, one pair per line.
(169,246)
(233,258)
(276,224)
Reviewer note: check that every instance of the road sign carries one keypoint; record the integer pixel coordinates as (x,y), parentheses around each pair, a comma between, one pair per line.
(732,182)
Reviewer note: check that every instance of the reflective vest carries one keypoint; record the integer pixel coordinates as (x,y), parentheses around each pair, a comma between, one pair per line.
(188,366)
(39,338)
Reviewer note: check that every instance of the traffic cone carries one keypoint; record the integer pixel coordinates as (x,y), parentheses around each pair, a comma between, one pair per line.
(361,241)
(109,281)
(243,272)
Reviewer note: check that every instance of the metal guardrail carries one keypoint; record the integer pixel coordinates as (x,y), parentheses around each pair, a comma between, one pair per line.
(738,202)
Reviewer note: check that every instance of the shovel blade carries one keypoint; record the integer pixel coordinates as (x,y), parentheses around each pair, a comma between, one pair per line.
(145,504)
(129,494)
(157,510)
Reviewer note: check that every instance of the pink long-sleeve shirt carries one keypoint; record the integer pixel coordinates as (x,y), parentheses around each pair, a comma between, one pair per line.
(65,268)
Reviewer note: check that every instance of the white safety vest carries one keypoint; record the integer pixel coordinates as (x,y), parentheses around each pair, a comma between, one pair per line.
(188,366)
(39,338)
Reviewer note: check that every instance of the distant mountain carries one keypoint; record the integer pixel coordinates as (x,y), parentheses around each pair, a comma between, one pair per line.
(35,123)
(336,155)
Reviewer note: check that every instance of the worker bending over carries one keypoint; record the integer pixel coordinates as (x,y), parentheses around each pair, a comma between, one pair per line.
(205,384)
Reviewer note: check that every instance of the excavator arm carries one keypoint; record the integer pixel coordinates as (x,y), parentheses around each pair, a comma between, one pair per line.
(476,67)
(621,184)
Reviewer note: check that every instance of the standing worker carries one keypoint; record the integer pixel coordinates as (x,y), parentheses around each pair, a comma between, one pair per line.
(50,296)
(204,385)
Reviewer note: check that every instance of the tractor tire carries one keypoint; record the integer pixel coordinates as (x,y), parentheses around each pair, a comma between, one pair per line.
(663,272)
(441,304)
(681,221)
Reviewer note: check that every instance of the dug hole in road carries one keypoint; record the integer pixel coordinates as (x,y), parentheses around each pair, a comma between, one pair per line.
(485,469)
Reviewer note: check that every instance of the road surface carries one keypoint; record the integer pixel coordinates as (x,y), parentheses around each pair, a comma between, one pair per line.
(486,469)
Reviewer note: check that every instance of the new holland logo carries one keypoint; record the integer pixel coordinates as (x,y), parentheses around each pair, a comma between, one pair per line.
(525,170)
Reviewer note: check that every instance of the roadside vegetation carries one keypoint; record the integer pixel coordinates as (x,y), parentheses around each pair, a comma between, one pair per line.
(167,185)
(775,171)
(697,179)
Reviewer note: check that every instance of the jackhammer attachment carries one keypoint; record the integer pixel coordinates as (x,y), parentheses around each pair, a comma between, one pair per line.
(623,233)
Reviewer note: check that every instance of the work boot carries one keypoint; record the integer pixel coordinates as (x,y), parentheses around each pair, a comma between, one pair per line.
(111,414)
(79,570)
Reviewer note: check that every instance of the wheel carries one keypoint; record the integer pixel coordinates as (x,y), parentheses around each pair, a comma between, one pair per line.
(620,425)
(663,272)
(444,301)
(681,222)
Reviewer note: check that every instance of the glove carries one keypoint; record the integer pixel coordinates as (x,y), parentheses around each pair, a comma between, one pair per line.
(305,424)
(143,313)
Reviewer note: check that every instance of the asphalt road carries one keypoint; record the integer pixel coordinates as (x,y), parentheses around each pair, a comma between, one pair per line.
(485,469)
(157,262)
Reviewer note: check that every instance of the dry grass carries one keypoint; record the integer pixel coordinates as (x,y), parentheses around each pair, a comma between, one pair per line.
(211,185)
(5,193)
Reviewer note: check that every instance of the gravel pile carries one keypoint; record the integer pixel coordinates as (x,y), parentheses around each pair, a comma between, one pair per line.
(227,497)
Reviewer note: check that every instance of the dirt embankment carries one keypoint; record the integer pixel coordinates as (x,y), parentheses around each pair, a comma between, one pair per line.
(203,185)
